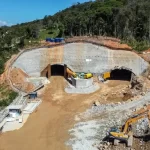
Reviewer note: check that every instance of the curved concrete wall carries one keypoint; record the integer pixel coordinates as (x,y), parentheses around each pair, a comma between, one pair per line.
(82,83)
(80,57)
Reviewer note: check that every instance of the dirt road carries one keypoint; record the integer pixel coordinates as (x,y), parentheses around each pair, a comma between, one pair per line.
(47,128)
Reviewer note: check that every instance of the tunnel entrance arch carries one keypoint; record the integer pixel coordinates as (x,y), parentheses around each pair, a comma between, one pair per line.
(121,74)
(57,70)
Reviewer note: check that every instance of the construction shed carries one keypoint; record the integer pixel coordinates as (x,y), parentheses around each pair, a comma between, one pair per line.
(33,95)
(15,110)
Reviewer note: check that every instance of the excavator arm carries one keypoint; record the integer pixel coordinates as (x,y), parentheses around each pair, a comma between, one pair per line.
(71,73)
(131,121)
(126,134)
(86,76)
(123,134)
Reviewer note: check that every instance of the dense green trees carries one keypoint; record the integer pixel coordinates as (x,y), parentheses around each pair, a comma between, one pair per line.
(128,20)
(11,96)
(125,19)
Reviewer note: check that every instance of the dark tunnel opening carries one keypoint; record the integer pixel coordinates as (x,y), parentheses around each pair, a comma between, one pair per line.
(120,74)
(57,70)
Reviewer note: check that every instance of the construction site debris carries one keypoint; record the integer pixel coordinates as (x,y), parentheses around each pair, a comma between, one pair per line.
(104,145)
(141,128)
(103,116)
(96,103)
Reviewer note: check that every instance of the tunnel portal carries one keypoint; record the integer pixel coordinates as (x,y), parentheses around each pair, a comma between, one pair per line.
(57,70)
(121,74)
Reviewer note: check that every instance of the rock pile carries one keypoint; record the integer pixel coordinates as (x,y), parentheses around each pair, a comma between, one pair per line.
(141,128)
(138,86)
(137,83)
(104,145)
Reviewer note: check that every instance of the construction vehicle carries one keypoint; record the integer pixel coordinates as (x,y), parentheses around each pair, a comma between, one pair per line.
(71,73)
(88,75)
(79,75)
(106,75)
(125,134)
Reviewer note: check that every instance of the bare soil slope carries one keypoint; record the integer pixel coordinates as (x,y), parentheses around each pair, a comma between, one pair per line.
(18,78)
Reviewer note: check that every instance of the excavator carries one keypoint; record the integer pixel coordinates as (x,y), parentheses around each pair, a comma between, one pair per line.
(75,75)
(88,75)
(125,134)
(71,73)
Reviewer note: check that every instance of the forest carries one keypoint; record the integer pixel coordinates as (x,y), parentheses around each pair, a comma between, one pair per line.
(128,20)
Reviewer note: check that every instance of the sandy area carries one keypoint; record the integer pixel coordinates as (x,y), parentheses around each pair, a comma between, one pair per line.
(47,128)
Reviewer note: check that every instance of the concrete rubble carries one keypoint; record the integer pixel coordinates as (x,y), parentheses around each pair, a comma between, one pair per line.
(102,117)
(141,127)
(92,132)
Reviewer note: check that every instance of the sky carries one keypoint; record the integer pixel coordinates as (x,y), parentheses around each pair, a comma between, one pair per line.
(19,11)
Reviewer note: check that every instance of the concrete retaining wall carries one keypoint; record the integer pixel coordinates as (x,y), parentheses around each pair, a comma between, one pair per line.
(82,83)
(80,57)
(46,72)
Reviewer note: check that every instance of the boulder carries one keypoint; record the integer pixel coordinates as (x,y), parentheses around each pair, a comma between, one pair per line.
(97,103)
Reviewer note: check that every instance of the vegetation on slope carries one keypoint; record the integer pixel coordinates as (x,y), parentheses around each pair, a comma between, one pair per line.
(6,96)
(128,20)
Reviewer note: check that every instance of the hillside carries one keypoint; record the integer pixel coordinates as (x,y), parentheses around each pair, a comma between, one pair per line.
(91,91)
(123,19)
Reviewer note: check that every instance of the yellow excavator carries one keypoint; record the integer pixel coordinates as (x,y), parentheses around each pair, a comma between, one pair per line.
(88,75)
(125,134)
(71,73)
(74,74)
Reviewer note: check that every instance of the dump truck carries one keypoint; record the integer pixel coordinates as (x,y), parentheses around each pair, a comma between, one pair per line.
(125,133)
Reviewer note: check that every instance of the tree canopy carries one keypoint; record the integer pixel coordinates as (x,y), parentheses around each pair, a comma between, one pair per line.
(128,20)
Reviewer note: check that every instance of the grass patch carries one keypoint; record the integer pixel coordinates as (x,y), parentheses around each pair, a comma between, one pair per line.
(6,95)
(31,42)
(138,46)
(48,33)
